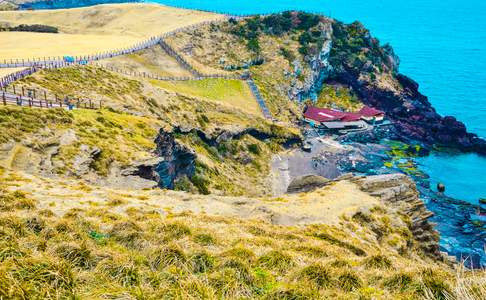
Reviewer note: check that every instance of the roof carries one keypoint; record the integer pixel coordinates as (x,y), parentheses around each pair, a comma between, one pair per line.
(350,117)
(367,111)
(323,114)
(329,115)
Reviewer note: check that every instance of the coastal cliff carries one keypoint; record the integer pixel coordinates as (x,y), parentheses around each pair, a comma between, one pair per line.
(372,71)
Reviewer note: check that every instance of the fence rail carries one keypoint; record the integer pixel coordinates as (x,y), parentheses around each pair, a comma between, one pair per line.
(21,96)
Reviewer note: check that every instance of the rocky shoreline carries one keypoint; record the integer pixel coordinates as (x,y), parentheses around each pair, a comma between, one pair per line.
(374,154)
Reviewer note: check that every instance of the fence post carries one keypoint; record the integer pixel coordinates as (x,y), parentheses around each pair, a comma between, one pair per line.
(4,98)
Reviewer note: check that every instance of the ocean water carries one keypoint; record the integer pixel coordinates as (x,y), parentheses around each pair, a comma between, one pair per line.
(441,45)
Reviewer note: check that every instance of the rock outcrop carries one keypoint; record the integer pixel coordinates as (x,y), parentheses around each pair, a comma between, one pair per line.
(320,67)
(399,192)
(307,183)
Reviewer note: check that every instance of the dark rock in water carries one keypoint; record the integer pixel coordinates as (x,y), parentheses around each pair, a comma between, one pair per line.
(482,201)
(441,187)
(307,183)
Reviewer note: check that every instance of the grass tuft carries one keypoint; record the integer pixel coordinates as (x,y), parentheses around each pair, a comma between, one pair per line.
(349,281)
(204,239)
(79,256)
(202,262)
(163,257)
(127,233)
(276,260)
(317,274)
(378,262)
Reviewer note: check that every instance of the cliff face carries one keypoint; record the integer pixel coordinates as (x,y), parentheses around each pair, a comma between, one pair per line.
(372,71)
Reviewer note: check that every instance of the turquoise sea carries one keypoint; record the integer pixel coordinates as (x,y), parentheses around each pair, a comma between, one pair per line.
(441,45)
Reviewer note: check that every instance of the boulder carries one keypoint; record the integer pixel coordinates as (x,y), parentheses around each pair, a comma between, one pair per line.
(307,183)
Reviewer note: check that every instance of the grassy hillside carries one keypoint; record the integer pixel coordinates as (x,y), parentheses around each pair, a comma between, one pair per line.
(111,19)
(152,61)
(234,167)
(74,226)
(229,91)
(136,253)
(91,30)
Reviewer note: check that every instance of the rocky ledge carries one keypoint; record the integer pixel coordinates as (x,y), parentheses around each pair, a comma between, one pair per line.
(399,192)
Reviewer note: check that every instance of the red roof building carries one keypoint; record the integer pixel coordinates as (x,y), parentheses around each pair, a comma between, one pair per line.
(324,115)
(371,114)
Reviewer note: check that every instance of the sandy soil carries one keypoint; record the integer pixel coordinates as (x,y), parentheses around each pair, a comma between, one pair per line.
(93,29)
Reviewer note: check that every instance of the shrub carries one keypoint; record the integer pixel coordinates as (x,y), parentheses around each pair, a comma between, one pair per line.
(201,183)
(255,149)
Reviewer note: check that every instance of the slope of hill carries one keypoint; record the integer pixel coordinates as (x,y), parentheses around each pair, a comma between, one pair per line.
(91,30)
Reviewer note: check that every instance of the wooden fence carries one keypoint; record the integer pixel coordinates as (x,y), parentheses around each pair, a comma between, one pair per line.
(35,98)
(166,78)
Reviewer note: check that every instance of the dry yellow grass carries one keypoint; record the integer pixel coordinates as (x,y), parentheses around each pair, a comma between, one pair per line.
(138,20)
(7,71)
(24,45)
(94,29)
(152,60)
